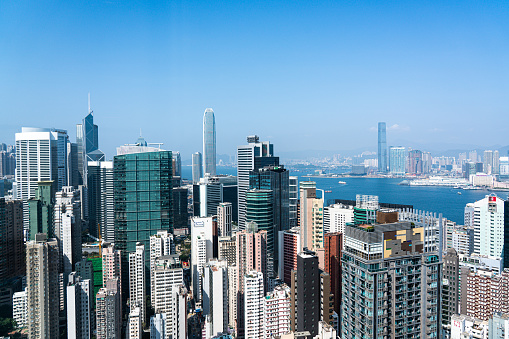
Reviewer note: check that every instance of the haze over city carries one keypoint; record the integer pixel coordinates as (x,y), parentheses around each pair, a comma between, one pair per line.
(305,76)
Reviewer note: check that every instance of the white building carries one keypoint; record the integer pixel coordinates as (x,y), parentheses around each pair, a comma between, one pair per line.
(232,296)
(465,327)
(482,179)
(135,329)
(475,262)
(215,295)
(469,215)
(19,308)
(224,219)
(253,305)
(277,311)
(67,222)
(79,307)
(137,290)
(158,326)
(161,244)
(202,230)
(489,226)
(335,217)
(463,240)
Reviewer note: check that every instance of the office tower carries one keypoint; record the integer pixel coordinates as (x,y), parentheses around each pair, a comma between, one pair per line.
(170,296)
(161,244)
(224,219)
(382,148)
(41,210)
(209,142)
(101,203)
(67,223)
(42,287)
(489,226)
(293,200)
(251,157)
(495,169)
(73,174)
(253,303)
(112,265)
(143,198)
(488,161)
(176,164)
(203,247)
(85,270)
(289,248)
(197,167)
(20,308)
(158,326)
(210,191)
(333,244)
(311,216)
(336,216)
(415,162)
(427,162)
(109,311)
(397,160)
(450,288)
(87,139)
(137,281)
(180,210)
(135,329)
(251,256)
(259,210)
(405,273)
(277,311)
(12,247)
(79,305)
(215,296)
(7,163)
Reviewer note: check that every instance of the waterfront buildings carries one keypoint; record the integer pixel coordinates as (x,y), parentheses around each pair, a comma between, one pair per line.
(42,287)
(209,142)
(415,163)
(381,254)
(397,160)
(251,157)
(197,167)
(382,148)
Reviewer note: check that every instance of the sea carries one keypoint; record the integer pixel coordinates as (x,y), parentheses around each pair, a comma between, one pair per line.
(445,200)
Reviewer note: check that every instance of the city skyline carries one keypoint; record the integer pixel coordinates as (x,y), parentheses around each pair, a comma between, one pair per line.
(428,70)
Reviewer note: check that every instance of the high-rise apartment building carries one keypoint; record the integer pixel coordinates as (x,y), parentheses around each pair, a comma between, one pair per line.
(79,307)
(253,304)
(495,169)
(209,142)
(67,223)
(415,163)
(101,203)
(143,198)
(203,248)
(336,216)
(20,308)
(215,296)
(112,265)
(293,200)
(12,251)
(450,288)
(224,219)
(488,162)
(333,245)
(251,157)
(277,311)
(489,226)
(137,282)
(197,167)
(382,148)
(404,277)
(161,244)
(311,216)
(42,287)
(109,311)
(289,248)
(227,249)
(134,326)
(397,160)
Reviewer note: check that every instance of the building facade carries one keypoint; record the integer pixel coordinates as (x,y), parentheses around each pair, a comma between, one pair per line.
(209,142)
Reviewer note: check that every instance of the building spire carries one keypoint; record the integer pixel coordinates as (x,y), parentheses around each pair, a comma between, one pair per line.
(89,109)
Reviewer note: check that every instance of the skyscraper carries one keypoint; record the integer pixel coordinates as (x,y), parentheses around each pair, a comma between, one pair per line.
(382,148)
(224,219)
(251,157)
(109,311)
(41,210)
(215,296)
(79,307)
(197,167)
(161,244)
(253,303)
(143,198)
(87,138)
(137,281)
(42,287)
(203,246)
(289,248)
(293,200)
(101,206)
(209,142)
(397,160)
(489,226)
(12,252)
(333,244)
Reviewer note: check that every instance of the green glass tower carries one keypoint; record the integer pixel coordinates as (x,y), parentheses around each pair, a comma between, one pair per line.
(41,210)
(143,198)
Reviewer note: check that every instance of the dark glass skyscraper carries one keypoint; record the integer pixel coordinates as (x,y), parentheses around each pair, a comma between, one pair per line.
(382,148)
(143,198)
(87,138)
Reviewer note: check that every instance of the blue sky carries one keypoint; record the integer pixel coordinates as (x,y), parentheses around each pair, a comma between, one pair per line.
(306,75)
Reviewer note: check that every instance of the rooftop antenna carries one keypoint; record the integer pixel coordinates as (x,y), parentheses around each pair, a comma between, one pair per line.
(89,109)
(140,132)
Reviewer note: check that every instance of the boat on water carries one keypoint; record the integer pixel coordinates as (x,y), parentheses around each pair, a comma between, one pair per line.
(341,182)
(328,191)
(459,193)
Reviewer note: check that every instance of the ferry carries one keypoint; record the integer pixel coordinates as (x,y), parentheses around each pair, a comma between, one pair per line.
(342,182)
